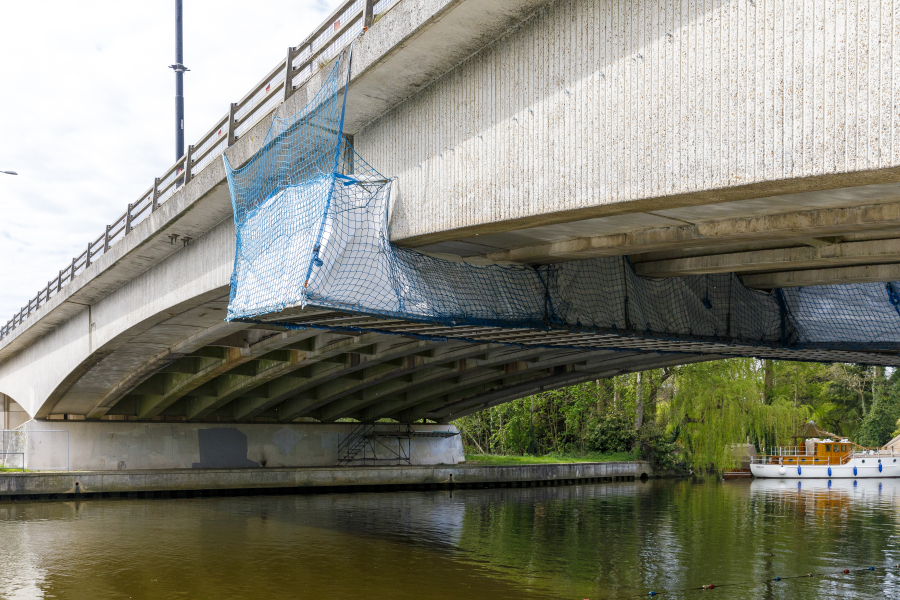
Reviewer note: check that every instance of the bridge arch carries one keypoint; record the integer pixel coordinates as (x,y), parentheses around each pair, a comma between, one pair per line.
(145,317)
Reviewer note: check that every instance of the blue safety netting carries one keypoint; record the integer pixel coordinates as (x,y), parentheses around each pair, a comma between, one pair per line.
(312,220)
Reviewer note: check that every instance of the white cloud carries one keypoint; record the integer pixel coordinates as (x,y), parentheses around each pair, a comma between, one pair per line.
(87,110)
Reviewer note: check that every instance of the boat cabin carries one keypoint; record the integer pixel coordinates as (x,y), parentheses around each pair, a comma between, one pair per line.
(814,452)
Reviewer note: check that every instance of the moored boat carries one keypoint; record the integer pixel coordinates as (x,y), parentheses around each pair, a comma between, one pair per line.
(826,458)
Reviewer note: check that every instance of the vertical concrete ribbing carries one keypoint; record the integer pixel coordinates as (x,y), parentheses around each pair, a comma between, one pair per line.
(663,98)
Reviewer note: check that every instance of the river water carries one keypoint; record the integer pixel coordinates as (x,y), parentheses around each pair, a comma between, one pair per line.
(612,540)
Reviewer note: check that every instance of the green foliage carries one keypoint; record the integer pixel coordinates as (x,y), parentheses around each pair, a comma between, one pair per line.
(878,425)
(614,432)
(658,446)
(721,404)
(493,459)
(693,414)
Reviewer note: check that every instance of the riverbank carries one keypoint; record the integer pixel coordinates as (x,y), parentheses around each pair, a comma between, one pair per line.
(505,459)
(217,482)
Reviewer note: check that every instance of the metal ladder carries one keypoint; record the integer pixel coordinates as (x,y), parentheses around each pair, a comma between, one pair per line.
(354,443)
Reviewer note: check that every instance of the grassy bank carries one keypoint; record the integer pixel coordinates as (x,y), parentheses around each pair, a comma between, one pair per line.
(494,459)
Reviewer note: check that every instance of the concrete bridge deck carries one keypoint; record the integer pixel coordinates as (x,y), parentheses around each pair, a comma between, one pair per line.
(753,138)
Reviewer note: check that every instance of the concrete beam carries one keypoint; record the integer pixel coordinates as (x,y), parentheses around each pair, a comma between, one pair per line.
(394,406)
(311,397)
(214,369)
(532,360)
(781,259)
(839,275)
(348,399)
(231,385)
(487,398)
(285,388)
(792,226)
(173,386)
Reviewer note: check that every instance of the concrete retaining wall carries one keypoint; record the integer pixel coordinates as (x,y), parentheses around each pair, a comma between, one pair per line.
(114,483)
(118,445)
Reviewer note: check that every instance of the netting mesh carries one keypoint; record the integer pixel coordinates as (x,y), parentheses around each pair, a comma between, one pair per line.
(855,316)
(312,220)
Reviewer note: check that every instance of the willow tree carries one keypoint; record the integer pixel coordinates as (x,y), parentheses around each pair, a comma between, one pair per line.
(720,404)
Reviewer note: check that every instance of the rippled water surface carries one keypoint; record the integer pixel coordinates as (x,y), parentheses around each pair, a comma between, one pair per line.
(614,540)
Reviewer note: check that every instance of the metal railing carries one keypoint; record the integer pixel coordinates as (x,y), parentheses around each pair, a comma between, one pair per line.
(301,62)
(799,455)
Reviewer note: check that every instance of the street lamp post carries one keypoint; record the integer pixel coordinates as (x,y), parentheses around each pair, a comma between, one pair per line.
(179,69)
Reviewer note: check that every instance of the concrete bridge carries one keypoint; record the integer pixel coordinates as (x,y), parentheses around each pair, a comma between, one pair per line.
(754,138)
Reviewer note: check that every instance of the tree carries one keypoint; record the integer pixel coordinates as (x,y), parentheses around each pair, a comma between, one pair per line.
(721,404)
(878,425)
(704,409)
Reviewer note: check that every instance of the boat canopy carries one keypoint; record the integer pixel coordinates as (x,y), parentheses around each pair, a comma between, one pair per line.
(811,430)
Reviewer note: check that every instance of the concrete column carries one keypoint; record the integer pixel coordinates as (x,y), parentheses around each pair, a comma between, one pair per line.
(4,411)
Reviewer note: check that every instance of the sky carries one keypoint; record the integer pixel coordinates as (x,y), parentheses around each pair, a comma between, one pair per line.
(87,110)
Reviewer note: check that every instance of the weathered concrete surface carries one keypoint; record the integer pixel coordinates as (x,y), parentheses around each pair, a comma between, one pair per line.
(657,110)
(119,482)
(102,312)
(553,130)
(11,414)
(123,445)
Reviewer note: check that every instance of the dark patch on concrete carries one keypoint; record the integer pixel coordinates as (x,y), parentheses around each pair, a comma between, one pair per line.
(223,448)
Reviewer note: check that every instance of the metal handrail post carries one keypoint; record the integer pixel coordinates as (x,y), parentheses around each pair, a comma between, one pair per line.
(369,13)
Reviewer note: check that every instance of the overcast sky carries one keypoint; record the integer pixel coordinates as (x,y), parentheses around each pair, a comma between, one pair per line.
(87,110)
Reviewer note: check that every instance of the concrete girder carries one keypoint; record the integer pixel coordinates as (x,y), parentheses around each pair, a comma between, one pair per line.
(157,362)
(329,403)
(311,398)
(473,394)
(606,366)
(487,398)
(284,388)
(499,360)
(407,398)
(829,255)
(229,358)
(395,405)
(167,388)
(339,405)
(790,226)
(328,344)
(860,274)
(231,385)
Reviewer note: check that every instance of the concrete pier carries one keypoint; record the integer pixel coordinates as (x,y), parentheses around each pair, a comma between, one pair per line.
(214,482)
(131,446)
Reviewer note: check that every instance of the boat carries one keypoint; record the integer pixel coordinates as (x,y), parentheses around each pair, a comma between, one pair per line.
(822,455)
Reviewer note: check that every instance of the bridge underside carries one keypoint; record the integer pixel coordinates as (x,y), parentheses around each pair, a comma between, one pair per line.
(267,373)
(339,365)
(139,333)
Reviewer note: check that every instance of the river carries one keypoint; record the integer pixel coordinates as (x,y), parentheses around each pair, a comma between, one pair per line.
(612,540)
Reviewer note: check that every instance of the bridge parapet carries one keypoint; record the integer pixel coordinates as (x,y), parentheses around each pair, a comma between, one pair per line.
(302,62)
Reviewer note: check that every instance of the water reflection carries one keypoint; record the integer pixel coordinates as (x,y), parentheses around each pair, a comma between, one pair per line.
(835,492)
(593,541)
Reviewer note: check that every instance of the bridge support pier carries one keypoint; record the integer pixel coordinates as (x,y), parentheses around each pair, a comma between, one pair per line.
(131,445)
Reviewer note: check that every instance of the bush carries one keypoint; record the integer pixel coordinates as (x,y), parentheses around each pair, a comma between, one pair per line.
(658,447)
(614,433)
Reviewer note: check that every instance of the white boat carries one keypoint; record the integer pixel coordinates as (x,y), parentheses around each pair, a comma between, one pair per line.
(826,459)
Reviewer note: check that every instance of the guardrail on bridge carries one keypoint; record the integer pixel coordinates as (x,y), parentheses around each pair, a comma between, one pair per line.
(345,23)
